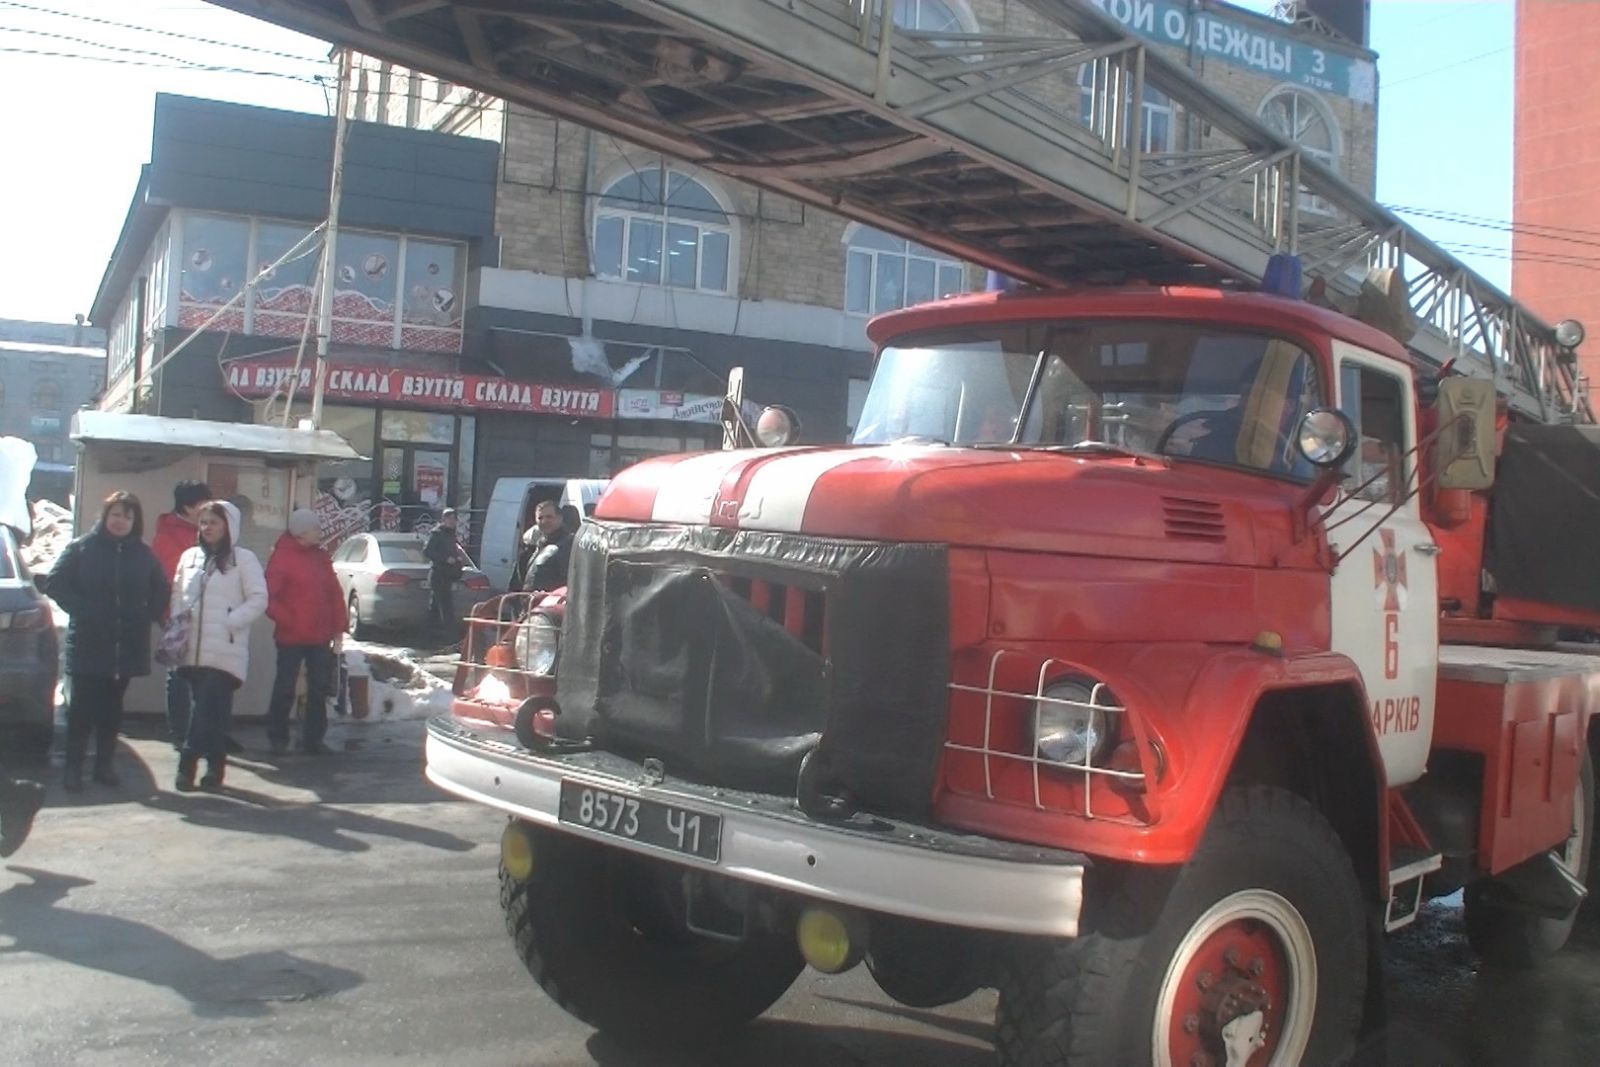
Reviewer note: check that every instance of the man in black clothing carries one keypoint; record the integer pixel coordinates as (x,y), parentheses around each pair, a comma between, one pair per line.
(553,553)
(448,560)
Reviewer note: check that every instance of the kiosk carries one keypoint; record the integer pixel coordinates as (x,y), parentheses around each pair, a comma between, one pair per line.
(267,471)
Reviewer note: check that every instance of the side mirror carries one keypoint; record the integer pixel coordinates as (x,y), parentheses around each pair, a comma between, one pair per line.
(1464,450)
(1325,437)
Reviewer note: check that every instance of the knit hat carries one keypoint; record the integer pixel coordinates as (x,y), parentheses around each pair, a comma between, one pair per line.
(304,521)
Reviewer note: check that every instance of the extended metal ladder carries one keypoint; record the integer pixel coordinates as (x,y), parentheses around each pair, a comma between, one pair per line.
(972,143)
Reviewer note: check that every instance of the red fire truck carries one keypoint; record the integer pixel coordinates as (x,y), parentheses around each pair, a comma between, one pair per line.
(1148,655)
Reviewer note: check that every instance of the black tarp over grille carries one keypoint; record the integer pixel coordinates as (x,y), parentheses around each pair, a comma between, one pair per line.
(1542,528)
(665,654)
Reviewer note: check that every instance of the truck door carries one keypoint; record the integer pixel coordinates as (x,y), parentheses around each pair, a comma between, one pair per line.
(1385,590)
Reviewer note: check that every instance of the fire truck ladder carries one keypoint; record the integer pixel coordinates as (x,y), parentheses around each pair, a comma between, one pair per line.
(975,144)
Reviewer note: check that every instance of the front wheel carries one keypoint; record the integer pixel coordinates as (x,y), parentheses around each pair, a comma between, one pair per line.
(1253,953)
(596,928)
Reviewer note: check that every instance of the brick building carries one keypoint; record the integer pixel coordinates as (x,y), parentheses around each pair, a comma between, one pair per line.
(1556,186)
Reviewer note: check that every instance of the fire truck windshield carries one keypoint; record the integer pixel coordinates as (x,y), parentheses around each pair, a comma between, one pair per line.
(1187,391)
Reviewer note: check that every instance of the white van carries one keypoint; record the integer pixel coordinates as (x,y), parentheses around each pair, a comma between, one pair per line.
(511,512)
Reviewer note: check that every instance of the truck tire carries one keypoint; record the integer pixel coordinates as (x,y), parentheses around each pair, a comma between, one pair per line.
(600,948)
(1267,909)
(1513,939)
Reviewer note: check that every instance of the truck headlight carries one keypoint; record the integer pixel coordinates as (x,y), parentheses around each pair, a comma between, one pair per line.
(537,642)
(1070,722)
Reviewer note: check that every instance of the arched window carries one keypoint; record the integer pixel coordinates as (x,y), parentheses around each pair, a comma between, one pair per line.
(1302,117)
(47,395)
(658,226)
(883,272)
(1096,83)
(932,16)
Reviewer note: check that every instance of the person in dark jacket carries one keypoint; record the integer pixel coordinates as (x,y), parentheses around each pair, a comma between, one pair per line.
(448,560)
(308,614)
(553,554)
(113,590)
(175,534)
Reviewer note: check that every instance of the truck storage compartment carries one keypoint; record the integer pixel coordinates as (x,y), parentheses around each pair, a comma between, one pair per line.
(1546,503)
(731,655)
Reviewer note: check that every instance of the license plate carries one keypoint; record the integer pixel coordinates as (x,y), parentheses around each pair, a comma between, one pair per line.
(649,822)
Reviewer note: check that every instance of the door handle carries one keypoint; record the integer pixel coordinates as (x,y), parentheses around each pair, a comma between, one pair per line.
(1428,548)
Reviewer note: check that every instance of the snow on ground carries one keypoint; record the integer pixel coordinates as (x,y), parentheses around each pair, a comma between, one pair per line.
(398,687)
(52,529)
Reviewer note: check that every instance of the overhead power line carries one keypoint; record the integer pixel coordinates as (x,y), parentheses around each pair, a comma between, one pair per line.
(159,32)
(181,65)
(1529,229)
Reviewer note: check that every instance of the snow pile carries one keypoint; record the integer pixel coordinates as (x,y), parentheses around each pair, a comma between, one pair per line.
(397,688)
(52,529)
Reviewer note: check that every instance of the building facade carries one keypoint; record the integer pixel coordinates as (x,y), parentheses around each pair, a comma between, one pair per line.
(48,371)
(1556,186)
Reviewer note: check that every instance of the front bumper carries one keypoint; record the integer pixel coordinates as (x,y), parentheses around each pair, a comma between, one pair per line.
(895,867)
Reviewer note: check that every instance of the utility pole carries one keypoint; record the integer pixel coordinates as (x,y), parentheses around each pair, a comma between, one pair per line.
(330,277)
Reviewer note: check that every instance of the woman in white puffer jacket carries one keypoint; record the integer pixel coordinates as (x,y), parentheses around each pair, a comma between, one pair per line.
(223,590)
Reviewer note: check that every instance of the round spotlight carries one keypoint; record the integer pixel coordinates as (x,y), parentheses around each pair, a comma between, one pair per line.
(1569,333)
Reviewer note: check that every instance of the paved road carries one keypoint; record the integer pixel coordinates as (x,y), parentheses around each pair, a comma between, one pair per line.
(340,911)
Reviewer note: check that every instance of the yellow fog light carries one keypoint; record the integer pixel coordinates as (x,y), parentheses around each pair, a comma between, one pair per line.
(516,852)
(830,942)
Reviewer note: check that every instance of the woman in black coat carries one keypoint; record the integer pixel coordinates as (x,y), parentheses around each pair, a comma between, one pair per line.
(113,590)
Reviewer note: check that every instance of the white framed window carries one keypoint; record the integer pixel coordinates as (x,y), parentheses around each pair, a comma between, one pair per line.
(1301,116)
(1097,83)
(660,226)
(931,16)
(883,272)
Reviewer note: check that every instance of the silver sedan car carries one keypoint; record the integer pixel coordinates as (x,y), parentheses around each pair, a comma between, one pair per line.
(384,577)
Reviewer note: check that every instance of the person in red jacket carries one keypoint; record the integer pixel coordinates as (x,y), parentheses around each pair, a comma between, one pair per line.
(307,611)
(177,532)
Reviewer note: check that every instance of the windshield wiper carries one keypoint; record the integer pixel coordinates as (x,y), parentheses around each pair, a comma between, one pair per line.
(1102,447)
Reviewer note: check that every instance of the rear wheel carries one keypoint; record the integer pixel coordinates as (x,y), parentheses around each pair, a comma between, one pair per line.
(1504,937)
(1254,952)
(359,629)
(593,927)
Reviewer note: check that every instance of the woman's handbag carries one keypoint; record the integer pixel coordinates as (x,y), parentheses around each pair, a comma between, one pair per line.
(173,648)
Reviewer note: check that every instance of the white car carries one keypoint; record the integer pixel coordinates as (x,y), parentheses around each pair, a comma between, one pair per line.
(384,577)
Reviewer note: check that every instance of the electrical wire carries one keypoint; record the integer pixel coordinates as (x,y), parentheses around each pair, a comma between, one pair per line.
(185,65)
(1390,86)
(158,32)
(1532,229)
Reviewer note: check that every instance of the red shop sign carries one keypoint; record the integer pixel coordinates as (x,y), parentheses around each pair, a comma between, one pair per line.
(425,389)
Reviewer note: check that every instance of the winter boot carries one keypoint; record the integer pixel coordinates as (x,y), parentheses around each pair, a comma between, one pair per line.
(186,767)
(211,782)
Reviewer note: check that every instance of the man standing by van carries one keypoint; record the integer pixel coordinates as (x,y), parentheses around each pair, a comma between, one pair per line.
(448,560)
(553,553)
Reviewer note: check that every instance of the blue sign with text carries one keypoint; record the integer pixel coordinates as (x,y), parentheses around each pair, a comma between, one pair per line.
(1209,32)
